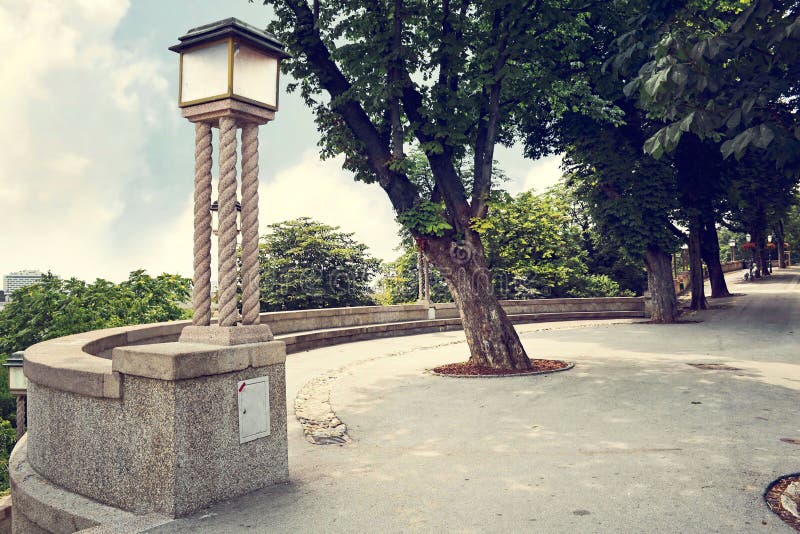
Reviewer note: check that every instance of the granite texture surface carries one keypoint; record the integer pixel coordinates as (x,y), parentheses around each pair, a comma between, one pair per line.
(169,447)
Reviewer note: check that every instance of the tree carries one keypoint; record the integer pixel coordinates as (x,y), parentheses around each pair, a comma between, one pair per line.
(534,249)
(758,199)
(607,169)
(306,264)
(723,70)
(630,197)
(53,307)
(400,281)
(446,75)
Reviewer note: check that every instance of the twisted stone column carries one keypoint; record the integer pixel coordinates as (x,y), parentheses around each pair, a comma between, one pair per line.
(22,401)
(250,285)
(420,276)
(201,292)
(228,312)
(427,281)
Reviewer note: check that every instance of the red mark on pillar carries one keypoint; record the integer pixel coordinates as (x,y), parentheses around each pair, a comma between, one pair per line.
(242,386)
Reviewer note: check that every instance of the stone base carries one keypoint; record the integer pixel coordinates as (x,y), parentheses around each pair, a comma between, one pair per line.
(171,444)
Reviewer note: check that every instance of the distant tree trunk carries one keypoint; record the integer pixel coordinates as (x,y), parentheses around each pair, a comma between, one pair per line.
(762,254)
(491,337)
(710,253)
(661,286)
(696,265)
(779,232)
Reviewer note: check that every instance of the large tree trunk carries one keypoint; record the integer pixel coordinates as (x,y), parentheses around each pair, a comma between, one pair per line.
(710,252)
(491,337)
(696,265)
(661,285)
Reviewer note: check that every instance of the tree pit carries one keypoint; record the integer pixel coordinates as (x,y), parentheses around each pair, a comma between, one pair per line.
(467,370)
(783,498)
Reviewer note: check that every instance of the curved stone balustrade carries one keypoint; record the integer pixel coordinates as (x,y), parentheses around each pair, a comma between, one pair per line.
(81,363)
(86,418)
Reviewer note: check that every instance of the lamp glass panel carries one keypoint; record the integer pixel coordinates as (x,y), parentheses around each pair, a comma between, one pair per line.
(16,378)
(205,72)
(255,75)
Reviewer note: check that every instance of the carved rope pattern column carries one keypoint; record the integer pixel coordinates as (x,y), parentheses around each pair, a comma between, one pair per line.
(201,291)
(22,401)
(228,312)
(420,276)
(427,285)
(250,285)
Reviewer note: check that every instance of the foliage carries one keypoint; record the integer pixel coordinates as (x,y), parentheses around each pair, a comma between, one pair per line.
(535,249)
(400,283)
(791,223)
(8,437)
(727,71)
(447,76)
(54,307)
(608,172)
(426,218)
(307,264)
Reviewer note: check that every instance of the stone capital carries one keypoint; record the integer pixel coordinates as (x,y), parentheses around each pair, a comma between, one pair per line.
(243,112)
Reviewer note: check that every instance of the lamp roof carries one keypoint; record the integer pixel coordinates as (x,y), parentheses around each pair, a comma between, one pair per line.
(231,27)
(15,359)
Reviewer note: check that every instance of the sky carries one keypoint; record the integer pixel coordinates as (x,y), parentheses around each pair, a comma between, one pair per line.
(98,165)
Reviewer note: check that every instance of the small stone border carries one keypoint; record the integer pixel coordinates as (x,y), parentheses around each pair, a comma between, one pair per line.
(569,366)
(783,498)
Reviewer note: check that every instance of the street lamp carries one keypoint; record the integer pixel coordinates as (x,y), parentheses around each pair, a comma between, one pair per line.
(732,245)
(229,75)
(229,59)
(18,386)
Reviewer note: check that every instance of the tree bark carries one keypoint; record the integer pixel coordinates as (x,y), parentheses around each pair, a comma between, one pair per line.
(491,337)
(710,253)
(661,285)
(696,265)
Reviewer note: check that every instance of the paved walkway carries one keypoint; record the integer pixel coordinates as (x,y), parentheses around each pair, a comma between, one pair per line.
(633,439)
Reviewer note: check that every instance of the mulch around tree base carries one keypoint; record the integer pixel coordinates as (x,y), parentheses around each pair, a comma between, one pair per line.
(773,498)
(466,370)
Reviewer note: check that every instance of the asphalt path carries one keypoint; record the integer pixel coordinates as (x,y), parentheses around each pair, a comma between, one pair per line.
(633,439)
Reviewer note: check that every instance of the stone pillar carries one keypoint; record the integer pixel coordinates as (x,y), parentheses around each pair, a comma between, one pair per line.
(21,415)
(420,277)
(423,278)
(251,305)
(228,229)
(427,279)
(201,282)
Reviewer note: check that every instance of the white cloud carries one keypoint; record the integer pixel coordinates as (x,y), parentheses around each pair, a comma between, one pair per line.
(77,113)
(322,191)
(543,173)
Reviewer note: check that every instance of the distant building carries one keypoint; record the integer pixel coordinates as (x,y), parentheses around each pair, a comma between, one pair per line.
(19,279)
(2,296)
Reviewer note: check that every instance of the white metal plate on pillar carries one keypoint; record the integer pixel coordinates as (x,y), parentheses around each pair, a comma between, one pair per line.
(253,408)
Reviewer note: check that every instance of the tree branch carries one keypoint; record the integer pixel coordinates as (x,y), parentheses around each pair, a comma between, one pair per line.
(441,160)
(401,191)
(677,232)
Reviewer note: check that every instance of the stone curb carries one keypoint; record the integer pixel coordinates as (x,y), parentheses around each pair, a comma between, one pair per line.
(569,366)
